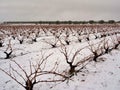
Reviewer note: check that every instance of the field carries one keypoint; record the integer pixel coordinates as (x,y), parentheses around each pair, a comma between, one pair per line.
(60,57)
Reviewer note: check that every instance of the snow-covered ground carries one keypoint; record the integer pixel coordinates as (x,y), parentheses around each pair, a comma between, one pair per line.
(97,76)
(101,75)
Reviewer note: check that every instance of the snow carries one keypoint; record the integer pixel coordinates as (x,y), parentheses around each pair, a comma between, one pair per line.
(101,75)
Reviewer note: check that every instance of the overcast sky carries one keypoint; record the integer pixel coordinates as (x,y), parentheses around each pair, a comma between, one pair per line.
(29,10)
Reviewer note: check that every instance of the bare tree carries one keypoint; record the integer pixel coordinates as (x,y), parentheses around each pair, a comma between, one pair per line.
(73,64)
(66,37)
(20,38)
(33,36)
(53,42)
(116,41)
(1,42)
(106,46)
(79,35)
(88,36)
(8,50)
(32,76)
(96,50)
(96,35)
(56,33)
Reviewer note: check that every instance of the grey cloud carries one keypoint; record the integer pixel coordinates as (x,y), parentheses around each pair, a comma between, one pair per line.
(59,10)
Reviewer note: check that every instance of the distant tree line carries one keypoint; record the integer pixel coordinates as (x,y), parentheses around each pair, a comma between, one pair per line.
(63,22)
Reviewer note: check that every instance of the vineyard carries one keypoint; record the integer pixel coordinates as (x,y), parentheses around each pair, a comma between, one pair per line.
(59,57)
